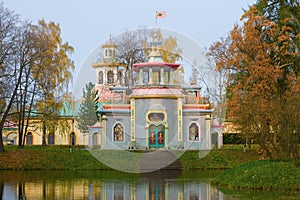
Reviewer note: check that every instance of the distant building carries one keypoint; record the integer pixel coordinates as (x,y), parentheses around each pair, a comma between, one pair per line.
(70,136)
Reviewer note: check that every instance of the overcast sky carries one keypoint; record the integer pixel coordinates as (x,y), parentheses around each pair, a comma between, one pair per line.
(87,24)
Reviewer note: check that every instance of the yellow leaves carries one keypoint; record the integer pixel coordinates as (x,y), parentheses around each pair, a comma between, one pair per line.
(170,51)
(51,66)
(54,59)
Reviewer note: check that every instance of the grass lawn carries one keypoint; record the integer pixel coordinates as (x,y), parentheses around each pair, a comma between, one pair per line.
(242,170)
(227,157)
(261,175)
(48,157)
(60,158)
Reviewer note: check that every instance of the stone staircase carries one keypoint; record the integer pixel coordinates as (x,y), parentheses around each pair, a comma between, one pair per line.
(159,160)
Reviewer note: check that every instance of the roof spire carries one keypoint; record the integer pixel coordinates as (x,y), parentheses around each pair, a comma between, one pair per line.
(155,54)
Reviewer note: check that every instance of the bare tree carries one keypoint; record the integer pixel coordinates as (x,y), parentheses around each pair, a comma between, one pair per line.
(130,50)
(214,84)
(10,76)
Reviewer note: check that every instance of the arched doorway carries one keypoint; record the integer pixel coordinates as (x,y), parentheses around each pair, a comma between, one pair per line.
(96,140)
(214,138)
(156,136)
(29,140)
(72,139)
(51,139)
(157,129)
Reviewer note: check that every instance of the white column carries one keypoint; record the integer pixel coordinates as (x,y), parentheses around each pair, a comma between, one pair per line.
(141,77)
(162,78)
(150,76)
(90,138)
(115,72)
(220,138)
(171,74)
(208,131)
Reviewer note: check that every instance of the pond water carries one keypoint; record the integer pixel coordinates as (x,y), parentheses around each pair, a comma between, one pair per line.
(113,185)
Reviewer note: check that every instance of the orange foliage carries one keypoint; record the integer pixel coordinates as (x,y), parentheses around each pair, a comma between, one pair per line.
(261,82)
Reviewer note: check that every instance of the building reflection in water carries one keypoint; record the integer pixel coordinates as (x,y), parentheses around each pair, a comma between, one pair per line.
(154,186)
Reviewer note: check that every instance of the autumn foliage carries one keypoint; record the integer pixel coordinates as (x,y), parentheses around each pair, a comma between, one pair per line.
(263,91)
(35,70)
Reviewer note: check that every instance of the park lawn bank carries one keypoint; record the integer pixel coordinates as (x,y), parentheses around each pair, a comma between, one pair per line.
(61,158)
(261,175)
(218,159)
(48,158)
(243,170)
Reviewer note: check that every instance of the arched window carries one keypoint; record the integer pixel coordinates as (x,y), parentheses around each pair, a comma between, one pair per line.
(72,139)
(51,138)
(110,76)
(118,132)
(12,137)
(100,78)
(29,138)
(119,77)
(194,133)
(96,139)
(105,52)
(110,52)
(126,78)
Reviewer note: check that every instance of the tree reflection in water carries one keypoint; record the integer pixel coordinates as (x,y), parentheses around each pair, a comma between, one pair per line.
(1,189)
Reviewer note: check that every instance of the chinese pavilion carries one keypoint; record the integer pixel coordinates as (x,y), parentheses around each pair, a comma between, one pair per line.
(154,113)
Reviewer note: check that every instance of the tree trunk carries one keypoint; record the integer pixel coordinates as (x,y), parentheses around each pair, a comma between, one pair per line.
(5,114)
(2,150)
(20,145)
(44,133)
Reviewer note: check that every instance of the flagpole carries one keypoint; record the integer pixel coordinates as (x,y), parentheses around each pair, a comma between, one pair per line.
(159,14)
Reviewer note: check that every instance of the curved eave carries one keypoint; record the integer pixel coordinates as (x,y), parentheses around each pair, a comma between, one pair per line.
(197,110)
(107,45)
(118,89)
(157,96)
(156,64)
(114,111)
(157,92)
(196,106)
(116,107)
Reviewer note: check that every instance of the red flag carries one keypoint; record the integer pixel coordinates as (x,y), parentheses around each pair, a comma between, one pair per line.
(161,14)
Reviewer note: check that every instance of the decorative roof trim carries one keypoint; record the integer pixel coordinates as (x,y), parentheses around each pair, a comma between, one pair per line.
(156,64)
(165,96)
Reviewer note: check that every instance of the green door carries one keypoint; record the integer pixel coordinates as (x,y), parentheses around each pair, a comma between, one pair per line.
(156,136)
